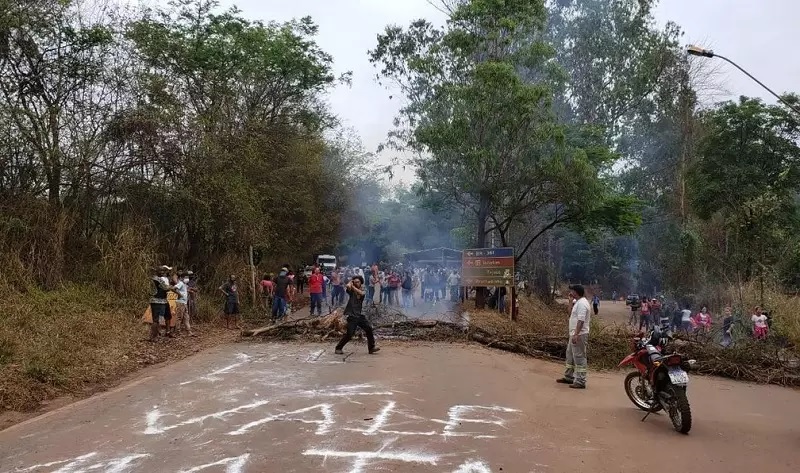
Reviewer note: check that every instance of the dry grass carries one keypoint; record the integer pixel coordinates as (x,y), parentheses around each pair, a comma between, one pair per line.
(77,340)
(541,330)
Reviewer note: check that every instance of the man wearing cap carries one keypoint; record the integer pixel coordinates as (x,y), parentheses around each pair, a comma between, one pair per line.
(579,321)
(355,316)
(159,306)
(281,298)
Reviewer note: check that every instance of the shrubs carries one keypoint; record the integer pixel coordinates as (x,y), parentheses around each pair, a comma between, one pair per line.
(542,332)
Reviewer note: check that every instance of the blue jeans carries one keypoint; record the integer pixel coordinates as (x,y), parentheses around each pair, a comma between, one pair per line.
(278,307)
(316,302)
(370,293)
(337,295)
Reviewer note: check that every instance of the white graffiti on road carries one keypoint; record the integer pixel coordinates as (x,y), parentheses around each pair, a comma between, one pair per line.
(86,463)
(323,425)
(232,464)
(155,415)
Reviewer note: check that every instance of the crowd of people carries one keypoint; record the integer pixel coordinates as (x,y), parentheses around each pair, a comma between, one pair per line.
(648,313)
(173,293)
(398,286)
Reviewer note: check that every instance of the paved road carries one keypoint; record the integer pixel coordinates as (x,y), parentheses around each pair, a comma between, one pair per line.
(412,408)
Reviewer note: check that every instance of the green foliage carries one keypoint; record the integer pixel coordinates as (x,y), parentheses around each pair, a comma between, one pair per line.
(182,133)
(748,175)
(489,140)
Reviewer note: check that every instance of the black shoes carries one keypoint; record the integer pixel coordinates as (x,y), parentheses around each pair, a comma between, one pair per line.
(374,350)
(564,381)
(339,352)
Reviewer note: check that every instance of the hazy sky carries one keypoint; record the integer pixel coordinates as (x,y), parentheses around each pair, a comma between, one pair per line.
(759,35)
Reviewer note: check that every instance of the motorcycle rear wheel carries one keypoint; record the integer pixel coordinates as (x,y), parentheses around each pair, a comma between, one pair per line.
(636,390)
(679,411)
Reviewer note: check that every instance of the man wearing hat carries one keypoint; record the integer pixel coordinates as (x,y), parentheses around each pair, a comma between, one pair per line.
(281,298)
(355,316)
(579,321)
(159,305)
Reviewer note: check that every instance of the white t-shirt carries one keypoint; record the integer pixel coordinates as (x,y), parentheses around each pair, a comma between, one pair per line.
(759,320)
(686,315)
(183,292)
(580,311)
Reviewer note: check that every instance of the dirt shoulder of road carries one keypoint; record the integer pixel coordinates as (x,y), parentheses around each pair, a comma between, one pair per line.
(60,346)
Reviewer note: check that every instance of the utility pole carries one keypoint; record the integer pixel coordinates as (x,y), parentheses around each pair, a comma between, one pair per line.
(253,278)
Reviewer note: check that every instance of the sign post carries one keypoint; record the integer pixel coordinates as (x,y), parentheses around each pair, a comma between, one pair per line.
(489,267)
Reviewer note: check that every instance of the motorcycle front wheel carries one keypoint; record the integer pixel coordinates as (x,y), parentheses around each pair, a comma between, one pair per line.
(638,392)
(679,411)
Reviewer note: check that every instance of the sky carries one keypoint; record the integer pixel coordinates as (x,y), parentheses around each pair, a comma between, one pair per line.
(757,34)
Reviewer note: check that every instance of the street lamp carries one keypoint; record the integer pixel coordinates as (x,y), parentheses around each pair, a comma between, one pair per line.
(698,51)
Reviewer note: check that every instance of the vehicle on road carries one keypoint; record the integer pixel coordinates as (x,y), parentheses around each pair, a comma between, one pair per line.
(327,263)
(660,379)
(631,299)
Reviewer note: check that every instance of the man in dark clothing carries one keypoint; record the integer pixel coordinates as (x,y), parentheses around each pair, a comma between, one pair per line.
(355,316)
(159,305)
(280,301)
(231,307)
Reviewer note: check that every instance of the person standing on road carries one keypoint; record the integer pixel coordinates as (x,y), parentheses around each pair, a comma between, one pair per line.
(159,306)
(355,316)
(595,304)
(231,307)
(374,288)
(281,299)
(644,316)
(181,305)
(337,293)
(614,297)
(315,284)
(579,321)
(193,292)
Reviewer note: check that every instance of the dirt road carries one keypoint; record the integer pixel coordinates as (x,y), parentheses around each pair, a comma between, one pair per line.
(421,408)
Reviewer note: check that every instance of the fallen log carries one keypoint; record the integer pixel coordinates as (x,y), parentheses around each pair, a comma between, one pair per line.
(332,321)
(512,347)
(413,324)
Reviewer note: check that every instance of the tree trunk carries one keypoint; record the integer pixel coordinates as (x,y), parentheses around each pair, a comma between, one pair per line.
(483,216)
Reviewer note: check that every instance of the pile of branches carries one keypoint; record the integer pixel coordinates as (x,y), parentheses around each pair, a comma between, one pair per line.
(760,362)
(388,323)
(756,361)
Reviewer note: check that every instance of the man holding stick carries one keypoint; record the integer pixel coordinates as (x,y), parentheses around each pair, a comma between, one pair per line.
(355,316)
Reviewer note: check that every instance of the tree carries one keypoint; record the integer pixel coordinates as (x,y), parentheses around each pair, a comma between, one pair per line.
(747,178)
(51,65)
(238,103)
(614,55)
(487,138)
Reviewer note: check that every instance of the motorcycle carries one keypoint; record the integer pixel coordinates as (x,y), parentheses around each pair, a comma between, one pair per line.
(660,380)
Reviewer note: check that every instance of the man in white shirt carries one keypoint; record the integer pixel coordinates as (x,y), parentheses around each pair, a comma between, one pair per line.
(182,287)
(579,321)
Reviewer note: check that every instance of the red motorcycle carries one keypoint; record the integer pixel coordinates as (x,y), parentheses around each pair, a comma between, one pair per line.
(660,380)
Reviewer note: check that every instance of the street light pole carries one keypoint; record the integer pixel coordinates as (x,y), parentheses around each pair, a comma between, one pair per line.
(698,51)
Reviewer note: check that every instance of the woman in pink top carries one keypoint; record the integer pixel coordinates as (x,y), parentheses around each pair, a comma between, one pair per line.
(703,320)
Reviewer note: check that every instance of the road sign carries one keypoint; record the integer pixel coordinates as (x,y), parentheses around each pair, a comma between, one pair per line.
(487,267)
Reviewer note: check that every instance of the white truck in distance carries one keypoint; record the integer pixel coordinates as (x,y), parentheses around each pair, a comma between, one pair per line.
(327,263)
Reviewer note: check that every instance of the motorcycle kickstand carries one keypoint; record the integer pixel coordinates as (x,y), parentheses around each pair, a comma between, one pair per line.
(650,411)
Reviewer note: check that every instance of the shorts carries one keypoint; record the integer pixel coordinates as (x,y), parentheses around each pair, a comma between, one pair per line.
(160,310)
(231,308)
